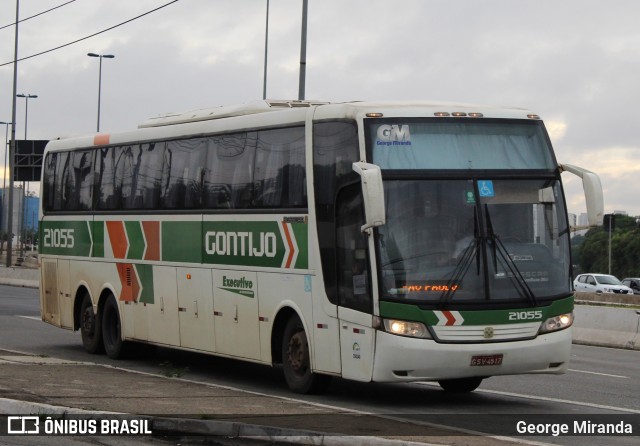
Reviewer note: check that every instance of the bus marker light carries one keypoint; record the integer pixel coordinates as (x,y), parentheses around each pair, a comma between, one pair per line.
(374,115)
(458,114)
(188,276)
(441,114)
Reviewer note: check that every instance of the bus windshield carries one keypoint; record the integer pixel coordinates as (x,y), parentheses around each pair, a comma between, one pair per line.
(463,241)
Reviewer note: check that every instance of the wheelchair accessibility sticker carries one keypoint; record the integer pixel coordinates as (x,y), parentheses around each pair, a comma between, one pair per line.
(485,187)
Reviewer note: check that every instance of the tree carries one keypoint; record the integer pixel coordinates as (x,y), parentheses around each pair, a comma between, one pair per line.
(593,253)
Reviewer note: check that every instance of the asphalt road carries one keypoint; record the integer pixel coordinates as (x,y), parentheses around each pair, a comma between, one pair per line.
(600,380)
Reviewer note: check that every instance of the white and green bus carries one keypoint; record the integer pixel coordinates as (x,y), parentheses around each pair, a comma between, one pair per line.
(382,242)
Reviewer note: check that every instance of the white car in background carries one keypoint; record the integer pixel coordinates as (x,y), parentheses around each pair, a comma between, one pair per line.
(600,283)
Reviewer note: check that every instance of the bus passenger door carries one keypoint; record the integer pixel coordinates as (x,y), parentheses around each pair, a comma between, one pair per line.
(354,286)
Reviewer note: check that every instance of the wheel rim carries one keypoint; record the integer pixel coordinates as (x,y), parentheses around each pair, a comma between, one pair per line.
(297,354)
(88,321)
(112,327)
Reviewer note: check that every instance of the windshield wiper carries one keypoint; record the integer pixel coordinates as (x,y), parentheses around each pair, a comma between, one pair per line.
(499,248)
(472,251)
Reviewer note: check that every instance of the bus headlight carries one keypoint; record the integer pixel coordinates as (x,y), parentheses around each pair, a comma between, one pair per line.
(406,328)
(556,323)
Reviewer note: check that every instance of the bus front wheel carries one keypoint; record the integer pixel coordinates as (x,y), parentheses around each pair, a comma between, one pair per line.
(112,329)
(460,385)
(90,327)
(296,362)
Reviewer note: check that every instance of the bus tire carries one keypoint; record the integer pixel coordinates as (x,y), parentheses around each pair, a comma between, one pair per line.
(460,385)
(112,329)
(90,327)
(296,363)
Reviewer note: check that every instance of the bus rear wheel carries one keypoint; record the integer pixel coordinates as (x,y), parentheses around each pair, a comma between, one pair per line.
(296,362)
(112,329)
(90,327)
(460,385)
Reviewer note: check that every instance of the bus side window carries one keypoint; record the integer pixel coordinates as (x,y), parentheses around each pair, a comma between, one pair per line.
(228,175)
(183,187)
(61,187)
(80,181)
(354,290)
(48,190)
(106,189)
(279,175)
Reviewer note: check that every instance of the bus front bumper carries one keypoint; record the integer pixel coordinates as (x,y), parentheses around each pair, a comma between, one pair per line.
(399,358)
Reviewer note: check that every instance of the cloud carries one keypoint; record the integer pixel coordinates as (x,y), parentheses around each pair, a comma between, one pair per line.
(574,62)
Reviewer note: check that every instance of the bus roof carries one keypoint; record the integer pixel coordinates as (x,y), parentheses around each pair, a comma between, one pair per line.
(270,113)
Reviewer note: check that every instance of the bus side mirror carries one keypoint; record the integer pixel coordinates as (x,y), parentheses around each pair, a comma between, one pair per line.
(373,194)
(592,191)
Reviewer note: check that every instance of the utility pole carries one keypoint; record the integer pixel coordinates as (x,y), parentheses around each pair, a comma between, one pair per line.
(266,47)
(303,52)
(12,147)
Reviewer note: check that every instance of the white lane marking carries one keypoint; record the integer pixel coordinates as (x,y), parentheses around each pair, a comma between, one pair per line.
(544,398)
(598,373)
(35,318)
(559,400)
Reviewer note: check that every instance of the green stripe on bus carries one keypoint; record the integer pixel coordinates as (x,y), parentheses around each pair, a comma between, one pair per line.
(66,238)
(181,241)
(98,239)
(301,233)
(270,244)
(145,273)
(136,240)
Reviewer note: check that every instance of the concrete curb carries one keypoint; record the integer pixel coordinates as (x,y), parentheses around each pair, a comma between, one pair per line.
(23,283)
(20,277)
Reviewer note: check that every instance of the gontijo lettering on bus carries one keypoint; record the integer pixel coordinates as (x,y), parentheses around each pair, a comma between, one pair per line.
(274,244)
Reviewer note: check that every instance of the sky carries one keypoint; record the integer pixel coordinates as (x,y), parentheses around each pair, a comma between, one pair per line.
(576,63)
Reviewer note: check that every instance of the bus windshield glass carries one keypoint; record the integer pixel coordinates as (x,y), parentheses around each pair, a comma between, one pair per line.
(448,242)
(459,143)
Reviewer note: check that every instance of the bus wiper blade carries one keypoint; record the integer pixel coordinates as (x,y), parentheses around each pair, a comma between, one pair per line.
(499,248)
(462,267)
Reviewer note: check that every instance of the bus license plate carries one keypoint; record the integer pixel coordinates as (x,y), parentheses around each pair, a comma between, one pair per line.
(481,360)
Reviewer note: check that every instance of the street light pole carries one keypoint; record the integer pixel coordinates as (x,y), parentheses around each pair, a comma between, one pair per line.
(21,226)
(26,109)
(100,56)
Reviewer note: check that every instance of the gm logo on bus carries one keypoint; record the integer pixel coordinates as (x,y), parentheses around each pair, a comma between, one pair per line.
(393,135)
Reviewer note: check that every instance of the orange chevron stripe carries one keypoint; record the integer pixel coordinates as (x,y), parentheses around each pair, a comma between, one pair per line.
(129,281)
(152,235)
(118,238)
(291,246)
